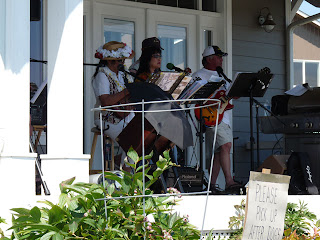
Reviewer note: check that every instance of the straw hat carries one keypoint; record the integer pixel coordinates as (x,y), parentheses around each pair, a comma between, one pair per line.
(114,51)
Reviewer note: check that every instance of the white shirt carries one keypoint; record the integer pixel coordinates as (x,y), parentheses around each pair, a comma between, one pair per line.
(101,84)
(205,74)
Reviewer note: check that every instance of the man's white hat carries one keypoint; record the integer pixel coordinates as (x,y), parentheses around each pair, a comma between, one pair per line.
(213,50)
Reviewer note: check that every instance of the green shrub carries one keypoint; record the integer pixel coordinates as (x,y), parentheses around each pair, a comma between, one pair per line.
(80,214)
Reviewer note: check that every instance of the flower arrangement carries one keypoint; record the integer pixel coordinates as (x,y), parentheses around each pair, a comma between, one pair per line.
(124,52)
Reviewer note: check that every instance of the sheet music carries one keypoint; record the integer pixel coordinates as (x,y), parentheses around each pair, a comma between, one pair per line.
(193,89)
(297,90)
(183,84)
(167,79)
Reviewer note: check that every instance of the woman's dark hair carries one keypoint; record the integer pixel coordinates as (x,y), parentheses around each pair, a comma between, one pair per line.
(102,63)
(145,59)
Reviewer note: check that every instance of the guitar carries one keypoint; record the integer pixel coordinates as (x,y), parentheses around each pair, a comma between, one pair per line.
(210,114)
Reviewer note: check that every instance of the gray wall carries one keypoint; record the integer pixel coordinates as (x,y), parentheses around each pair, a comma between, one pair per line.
(253,49)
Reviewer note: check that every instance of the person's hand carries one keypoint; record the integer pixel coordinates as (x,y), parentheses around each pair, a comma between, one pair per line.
(188,70)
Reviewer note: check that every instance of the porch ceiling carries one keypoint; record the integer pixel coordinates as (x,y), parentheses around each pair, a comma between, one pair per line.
(315,3)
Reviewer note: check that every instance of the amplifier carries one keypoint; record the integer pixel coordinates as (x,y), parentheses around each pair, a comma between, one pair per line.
(190,176)
(38,114)
(291,124)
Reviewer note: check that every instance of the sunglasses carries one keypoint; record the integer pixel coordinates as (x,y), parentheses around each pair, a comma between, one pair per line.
(157,56)
(120,61)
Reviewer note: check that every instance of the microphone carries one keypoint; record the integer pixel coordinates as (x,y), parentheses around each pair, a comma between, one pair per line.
(170,66)
(220,72)
(121,68)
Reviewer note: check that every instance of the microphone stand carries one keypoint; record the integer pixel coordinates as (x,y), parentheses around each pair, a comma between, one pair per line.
(121,69)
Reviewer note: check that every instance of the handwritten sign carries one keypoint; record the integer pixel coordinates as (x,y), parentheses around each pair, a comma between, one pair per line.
(266,206)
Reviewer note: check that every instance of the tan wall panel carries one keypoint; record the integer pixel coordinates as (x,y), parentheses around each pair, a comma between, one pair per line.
(306,42)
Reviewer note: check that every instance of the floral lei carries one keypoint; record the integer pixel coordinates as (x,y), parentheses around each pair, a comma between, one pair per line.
(124,52)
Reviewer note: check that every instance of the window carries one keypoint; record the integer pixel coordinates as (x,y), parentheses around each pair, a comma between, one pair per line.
(307,72)
(173,41)
(207,5)
(207,37)
(312,76)
(297,73)
(121,31)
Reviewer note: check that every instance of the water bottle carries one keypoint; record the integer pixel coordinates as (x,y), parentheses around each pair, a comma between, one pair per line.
(267,106)
(107,149)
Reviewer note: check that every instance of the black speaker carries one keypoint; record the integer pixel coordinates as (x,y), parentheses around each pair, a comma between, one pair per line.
(35,10)
(299,169)
(279,104)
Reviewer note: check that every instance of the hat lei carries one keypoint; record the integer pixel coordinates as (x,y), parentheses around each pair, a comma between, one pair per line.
(113,51)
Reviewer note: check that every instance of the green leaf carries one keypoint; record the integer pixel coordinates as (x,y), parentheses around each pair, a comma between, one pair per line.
(63,199)
(36,226)
(126,183)
(133,155)
(47,236)
(22,211)
(162,162)
(110,188)
(66,182)
(57,236)
(157,173)
(112,176)
(36,214)
(90,222)
(130,164)
(166,154)
(146,157)
(146,168)
(73,226)
(56,214)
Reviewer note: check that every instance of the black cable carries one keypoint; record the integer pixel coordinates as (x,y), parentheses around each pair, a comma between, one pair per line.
(38,61)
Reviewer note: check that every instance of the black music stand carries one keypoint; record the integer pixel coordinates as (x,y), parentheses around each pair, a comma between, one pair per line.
(205,92)
(251,85)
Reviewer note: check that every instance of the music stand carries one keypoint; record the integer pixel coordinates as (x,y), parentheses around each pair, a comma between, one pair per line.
(207,90)
(204,92)
(251,85)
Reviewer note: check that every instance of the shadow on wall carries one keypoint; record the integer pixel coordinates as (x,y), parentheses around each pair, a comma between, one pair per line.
(309,32)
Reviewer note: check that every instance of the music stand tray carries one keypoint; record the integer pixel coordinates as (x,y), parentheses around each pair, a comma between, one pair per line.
(250,85)
(208,89)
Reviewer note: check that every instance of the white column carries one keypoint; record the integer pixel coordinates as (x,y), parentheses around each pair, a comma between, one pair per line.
(14,78)
(65,157)
(17,165)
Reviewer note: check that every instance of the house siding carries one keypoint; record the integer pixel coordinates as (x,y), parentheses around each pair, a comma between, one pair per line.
(306,44)
(254,49)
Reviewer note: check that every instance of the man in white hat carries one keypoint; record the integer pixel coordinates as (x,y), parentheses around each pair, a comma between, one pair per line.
(213,58)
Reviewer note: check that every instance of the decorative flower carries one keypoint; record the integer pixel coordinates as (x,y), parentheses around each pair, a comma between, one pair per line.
(124,52)
(172,190)
(185,218)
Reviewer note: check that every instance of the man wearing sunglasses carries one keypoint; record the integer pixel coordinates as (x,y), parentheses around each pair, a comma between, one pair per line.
(213,58)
